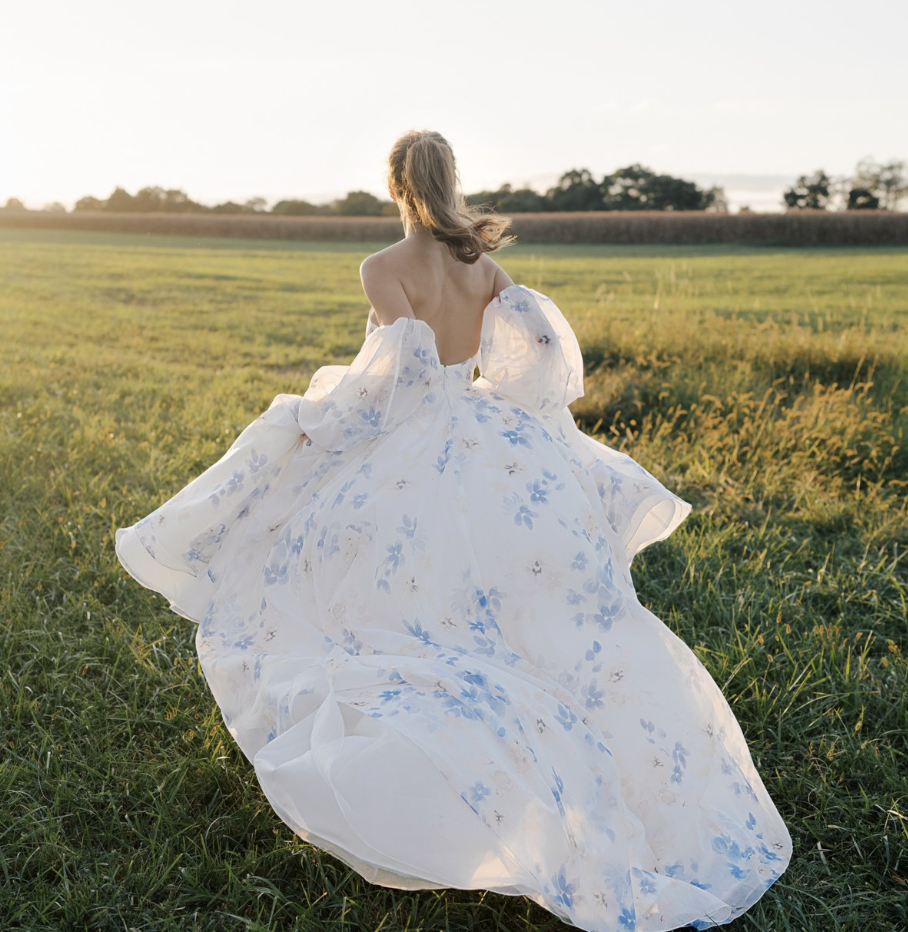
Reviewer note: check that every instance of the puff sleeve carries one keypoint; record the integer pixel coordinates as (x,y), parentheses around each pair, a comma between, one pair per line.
(529,353)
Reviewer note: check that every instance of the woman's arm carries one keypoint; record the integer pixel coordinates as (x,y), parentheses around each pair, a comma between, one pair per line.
(384,290)
(502,279)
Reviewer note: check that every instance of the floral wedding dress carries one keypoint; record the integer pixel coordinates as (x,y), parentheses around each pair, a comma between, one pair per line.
(416,613)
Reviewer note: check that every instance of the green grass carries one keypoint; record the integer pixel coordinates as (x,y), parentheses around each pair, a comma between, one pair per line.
(766,386)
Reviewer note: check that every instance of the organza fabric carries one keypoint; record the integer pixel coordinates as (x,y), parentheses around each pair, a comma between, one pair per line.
(416,614)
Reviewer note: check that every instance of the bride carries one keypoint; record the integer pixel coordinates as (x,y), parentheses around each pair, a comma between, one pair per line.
(416,613)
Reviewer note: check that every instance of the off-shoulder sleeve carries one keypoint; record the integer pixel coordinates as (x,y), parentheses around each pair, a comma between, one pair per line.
(181,548)
(391,376)
(528,351)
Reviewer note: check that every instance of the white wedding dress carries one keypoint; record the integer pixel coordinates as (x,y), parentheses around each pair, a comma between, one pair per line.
(416,613)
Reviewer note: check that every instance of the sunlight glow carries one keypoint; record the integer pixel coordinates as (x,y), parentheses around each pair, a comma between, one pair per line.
(296,100)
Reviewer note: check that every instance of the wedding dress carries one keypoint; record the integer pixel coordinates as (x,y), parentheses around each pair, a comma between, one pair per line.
(415,611)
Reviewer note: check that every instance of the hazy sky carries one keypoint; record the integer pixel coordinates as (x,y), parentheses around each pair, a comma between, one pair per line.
(230,100)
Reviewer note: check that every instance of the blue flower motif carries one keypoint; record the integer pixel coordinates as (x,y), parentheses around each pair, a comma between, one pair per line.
(479,791)
(329,545)
(646,881)
(628,919)
(371,417)
(593,695)
(256,461)
(443,459)
(417,630)
(408,528)
(483,408)
(395,558)
(767,854)
(484,646)
(515,438)
(565,893)
(351,643)
(557,791)
(475,679)
(679,755)
(523,515)
(538,490)
(275,574)
(566,718)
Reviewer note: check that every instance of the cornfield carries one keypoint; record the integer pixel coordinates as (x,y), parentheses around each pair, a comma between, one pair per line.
(792,228)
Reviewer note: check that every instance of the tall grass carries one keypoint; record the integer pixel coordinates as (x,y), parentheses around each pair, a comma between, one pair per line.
(765,386)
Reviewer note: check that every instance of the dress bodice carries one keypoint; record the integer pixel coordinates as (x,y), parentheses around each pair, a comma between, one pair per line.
(454,373)
(527,350)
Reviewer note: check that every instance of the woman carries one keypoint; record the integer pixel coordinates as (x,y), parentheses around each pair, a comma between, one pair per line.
(417,616)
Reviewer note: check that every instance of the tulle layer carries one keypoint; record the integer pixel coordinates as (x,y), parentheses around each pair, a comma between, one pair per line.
(417,616)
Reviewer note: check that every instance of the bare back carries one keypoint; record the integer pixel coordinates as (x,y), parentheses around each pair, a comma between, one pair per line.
(448,295)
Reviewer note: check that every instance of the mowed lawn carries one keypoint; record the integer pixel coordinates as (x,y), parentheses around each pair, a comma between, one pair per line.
(767,386)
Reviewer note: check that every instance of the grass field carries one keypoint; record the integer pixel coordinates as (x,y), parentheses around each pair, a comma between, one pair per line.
(768,387)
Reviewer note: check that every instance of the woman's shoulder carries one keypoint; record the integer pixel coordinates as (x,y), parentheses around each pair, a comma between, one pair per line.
(383,258)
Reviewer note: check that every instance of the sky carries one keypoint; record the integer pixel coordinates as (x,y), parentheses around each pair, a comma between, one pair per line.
(292,99)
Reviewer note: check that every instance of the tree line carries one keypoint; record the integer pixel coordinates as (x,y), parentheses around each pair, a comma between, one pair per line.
(873,186)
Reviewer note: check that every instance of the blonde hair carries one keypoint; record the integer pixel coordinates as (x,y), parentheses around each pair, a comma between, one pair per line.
(422,174)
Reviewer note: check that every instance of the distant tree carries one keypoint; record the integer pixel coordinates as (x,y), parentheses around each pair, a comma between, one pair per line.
(665,192)
(89,203)
(636,187)
(230,207)
(894,184)
(177,201)
(506,200)
(745,209)
(296,208)
(154,199)
(13,203)
(523,200)
(257,205)
(809,192)
(490,199)
(120,201)
(625,188)
(576,190)
(715,200)
(888,183)
(359,204)
(54,207)
(150,200)
(862,199)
